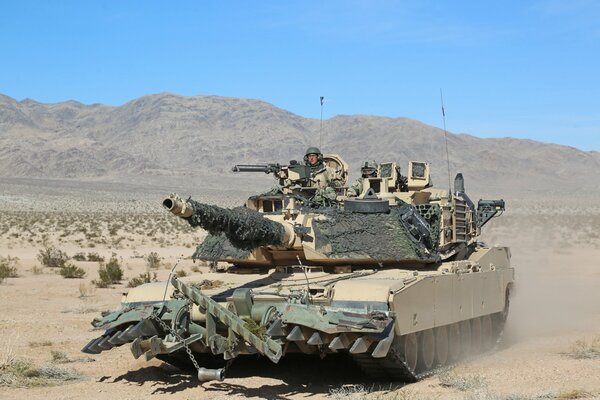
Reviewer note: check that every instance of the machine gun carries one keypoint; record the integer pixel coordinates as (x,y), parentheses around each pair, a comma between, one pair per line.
(266,168)
(487,209)
(294,173)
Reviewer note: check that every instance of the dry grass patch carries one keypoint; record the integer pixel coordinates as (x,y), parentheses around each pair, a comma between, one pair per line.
(15,372)
(208,284)
(360,392)
(8,267)
(573,394)
(23,373)
(582,349)
(195,268)
(45,343)
(475,387)
(37,270)
(464,383)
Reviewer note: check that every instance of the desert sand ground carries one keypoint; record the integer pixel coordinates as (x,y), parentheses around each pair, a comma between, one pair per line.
(45,319)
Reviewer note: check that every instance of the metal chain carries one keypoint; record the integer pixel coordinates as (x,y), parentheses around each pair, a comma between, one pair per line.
(177,336)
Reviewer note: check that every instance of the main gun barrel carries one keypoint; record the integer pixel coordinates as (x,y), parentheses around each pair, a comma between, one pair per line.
(245,228)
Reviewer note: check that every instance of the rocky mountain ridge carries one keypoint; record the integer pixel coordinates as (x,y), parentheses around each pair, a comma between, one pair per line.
(166,135)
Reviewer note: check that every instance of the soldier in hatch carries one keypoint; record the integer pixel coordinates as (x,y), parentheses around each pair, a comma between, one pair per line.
(322,175)
(368,170)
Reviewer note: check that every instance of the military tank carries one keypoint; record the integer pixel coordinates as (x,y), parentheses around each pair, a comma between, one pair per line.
(394,277)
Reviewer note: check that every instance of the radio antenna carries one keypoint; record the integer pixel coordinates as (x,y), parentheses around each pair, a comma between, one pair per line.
(446,138)
(321,127)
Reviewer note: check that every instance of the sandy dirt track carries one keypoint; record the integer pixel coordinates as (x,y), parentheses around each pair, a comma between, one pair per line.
(557,302)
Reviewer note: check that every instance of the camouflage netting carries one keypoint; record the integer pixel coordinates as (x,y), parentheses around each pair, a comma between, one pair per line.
(245,229)
(379,237)
(217,247)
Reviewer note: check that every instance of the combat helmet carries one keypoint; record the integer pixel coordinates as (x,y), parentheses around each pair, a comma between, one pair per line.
(313,150)
(369,168)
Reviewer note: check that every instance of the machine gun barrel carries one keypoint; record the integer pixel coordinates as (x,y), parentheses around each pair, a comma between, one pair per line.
(266,168)
(245,228)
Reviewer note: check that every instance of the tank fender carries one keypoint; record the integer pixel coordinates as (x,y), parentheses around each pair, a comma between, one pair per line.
(437,299)
(375,288)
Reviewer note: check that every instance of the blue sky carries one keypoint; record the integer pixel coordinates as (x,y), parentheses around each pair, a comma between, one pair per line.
(527,69)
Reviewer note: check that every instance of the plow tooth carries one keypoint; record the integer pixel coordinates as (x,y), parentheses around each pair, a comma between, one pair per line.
(114,339)
(91,348)
(136,348)
(124,336)
(104,344)
(95,348)
(315,339)
(142,328)
(361,345)
(340,342)
(384,345)
(296,335)
(276,329)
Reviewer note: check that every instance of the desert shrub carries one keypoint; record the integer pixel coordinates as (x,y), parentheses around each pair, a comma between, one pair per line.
(8,267)
(153,260)
(583,349)
(71,271)
(181,273)
(95,257)
(52,257)
(79,257)
(59,356)
(141,279)
(109,273)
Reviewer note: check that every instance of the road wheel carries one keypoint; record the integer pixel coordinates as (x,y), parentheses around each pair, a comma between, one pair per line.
(441,345)
(454,345)
(465,337)
(487,334)
(427,350)
(411,351)
(475,335)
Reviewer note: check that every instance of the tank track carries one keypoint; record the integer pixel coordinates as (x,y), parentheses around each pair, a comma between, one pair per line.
(393,368)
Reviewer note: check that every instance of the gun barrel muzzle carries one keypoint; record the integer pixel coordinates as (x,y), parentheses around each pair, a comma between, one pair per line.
(178,207)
